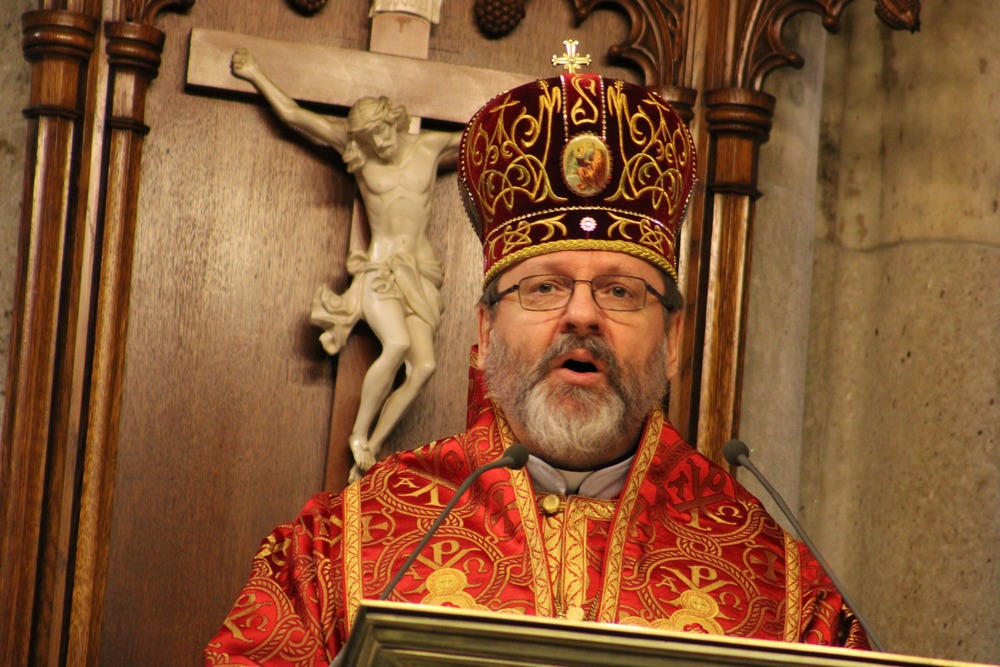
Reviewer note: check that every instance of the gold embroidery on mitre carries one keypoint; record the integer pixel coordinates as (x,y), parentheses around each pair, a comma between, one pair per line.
(584,110)
(518,236)
(653,167)
(508,166)
(651,234)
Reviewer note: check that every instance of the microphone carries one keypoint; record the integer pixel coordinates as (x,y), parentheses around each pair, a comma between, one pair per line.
(514,458)
(737,453)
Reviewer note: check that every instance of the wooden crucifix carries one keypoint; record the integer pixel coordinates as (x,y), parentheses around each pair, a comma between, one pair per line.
(340,77)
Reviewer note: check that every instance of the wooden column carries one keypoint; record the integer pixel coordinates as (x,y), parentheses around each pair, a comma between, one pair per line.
(133,57)
(743,45)
(739,121)
(69,327)
(39,443)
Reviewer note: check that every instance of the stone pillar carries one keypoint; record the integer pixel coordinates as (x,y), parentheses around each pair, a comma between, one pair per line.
(781,273)
(901,465)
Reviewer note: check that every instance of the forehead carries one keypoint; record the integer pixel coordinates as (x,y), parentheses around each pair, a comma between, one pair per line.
(584,264)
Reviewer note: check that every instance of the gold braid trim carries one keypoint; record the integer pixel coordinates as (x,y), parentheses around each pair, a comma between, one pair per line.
(531,526)
(633,249)
(615,556)
(793,590)
(574,565)
(353,589)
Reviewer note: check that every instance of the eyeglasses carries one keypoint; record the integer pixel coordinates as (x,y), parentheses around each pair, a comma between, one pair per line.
(553,291)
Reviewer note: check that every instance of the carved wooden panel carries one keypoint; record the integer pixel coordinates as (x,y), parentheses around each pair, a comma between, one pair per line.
(239,220)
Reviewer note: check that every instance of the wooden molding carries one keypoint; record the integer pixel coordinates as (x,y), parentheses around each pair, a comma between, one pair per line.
(656,40)
(738,117)
(59,473)
(134,57)
(38,439)
(899,14)
(144,12)
(762,50)
(739,121)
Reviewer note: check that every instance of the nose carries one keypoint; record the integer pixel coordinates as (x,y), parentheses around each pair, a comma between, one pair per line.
(582,315)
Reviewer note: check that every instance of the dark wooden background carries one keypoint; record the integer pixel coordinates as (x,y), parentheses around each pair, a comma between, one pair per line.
(227,392)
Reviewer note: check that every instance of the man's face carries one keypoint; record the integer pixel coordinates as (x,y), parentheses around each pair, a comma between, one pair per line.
(576,383)
(384,140)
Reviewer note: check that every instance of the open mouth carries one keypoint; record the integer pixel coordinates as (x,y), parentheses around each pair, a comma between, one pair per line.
(579,366)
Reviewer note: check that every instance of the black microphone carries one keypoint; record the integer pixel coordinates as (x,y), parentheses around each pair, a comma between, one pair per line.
(514,458)
(737,453)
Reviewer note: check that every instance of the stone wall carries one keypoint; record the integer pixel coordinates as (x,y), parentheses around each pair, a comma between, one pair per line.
(897,253)
(901,464)
(14,80)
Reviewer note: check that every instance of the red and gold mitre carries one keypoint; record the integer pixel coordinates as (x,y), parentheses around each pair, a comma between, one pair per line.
(576,162)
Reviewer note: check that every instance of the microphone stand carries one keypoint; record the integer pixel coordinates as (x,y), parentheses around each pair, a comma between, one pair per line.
(511,459)
(514,458)
(737,453)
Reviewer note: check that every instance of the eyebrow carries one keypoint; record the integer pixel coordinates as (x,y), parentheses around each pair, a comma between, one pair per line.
(616,270)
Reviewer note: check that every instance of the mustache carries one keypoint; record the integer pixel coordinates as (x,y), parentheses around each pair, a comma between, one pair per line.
(598,348)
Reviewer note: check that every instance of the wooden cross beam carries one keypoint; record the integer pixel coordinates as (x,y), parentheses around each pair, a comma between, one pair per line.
(336,76)
(339,77)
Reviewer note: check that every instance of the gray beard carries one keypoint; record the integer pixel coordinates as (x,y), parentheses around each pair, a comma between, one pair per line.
(570,425)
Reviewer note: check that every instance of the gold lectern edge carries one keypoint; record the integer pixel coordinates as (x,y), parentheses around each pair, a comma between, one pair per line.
(423,636)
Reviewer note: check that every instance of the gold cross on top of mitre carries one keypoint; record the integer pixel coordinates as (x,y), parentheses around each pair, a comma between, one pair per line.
(569,60)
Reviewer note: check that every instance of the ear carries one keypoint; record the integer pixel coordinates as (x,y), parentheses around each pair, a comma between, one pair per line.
(484,325)
(674,326)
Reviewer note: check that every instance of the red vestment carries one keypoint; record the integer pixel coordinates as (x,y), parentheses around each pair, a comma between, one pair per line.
(684,547)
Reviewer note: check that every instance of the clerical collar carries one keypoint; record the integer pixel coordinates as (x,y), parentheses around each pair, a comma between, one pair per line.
(604,483)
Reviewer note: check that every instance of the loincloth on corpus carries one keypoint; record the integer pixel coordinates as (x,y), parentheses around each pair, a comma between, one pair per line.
(401,278)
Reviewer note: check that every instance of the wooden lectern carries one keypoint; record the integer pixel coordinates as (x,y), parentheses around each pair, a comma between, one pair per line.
(407,635)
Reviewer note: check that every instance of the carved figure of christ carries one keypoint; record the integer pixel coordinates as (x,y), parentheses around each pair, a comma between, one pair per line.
(395,172)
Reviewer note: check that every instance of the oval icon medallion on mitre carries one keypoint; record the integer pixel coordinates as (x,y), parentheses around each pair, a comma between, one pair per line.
(586,164)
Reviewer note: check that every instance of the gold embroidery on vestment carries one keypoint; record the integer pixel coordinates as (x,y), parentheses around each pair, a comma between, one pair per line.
(446,588)
(697,613)
(353,590)
(525,498)
(793,590)
(565,534)
(618,538)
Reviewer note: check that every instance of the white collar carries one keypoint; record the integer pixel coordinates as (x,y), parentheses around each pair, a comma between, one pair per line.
(603,483)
